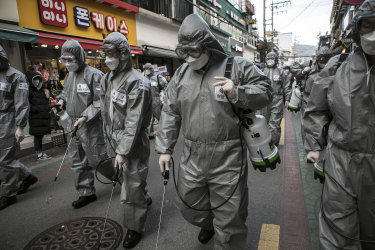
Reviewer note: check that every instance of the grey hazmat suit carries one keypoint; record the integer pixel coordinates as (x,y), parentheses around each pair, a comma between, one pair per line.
(14,111)
(309,79)
(81,96)
(343,99)
(282,91)
(126,106)
(211,158)
(158,83)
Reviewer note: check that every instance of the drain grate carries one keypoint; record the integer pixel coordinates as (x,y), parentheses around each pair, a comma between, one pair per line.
(81,233)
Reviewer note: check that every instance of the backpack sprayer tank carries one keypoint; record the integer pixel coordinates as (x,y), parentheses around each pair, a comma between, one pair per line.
(263,152)
(296,99)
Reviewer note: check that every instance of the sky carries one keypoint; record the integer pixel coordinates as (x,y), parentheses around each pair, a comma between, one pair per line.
(304,18)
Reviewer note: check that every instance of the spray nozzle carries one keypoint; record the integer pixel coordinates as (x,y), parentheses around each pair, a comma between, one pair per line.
(165,174)
(74,132)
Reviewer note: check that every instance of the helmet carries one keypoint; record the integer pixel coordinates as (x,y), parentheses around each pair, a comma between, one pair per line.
(323,55)
(365,11)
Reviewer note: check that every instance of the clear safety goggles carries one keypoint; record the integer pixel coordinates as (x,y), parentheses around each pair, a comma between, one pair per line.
(365,24)
(270,58)
(108,50)
(67,59)
(193,50)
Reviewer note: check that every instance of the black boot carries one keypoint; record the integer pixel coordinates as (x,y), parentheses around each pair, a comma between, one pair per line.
(26,183)
(205,235)
(83,201)
(7,201)
(131,239)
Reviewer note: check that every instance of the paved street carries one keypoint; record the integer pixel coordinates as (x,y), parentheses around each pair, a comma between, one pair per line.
(276,198)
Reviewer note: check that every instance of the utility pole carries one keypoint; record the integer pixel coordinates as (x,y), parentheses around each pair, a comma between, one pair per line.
(277,6)
(264,20)
(272,22)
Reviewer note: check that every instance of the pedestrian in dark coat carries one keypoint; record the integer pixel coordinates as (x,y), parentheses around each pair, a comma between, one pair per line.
(39,116)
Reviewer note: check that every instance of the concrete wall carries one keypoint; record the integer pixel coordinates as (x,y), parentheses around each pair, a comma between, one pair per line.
(9,11)
(156,30)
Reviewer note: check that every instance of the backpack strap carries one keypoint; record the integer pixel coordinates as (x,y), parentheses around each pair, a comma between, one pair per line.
(228,68)
(342,59)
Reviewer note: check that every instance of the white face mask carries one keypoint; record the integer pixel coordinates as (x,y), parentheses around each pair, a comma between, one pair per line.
(112,62)
(270,62)
(148,72)
(368,43)
(197,63)
(72,67)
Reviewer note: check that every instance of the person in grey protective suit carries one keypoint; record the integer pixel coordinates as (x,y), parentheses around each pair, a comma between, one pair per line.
(282,90)
(126,105)
(14,110)
(158,83)
(307,76)
(343,100)
(204,103)
(82,101)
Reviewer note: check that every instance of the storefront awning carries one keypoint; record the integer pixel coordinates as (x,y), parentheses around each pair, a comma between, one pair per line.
(17,33)
(57,39)
(155,51)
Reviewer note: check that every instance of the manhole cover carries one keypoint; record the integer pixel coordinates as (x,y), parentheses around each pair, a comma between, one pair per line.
(82,233)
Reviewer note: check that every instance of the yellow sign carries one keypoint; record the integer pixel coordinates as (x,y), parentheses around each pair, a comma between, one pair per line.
(85,18)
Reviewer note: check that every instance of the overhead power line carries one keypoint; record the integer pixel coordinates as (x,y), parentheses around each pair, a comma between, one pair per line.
(299,14)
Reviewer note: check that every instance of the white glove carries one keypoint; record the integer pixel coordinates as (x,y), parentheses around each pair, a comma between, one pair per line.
(80,122)
(306,70)
(227,85)
(313,156)
(164,162)
(20,135)
(61,102)
(286,104)
(119,161)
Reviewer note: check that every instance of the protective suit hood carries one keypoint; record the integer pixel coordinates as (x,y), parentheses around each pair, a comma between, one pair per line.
(367,8)
(121,43)
(195,29)
(4,62)
(31,75)
(72,46)
(149,67)
(273,54)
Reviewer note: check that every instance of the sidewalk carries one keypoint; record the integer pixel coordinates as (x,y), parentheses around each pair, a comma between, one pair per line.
(27,145)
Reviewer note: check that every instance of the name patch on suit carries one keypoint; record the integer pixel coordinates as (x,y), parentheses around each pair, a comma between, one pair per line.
(219,94)
(154,84)
(23,85)
(83,88)
(5,86)
(118,98)
(276,77)
(144,85)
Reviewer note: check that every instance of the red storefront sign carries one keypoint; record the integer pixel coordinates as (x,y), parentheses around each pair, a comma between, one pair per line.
(53,12)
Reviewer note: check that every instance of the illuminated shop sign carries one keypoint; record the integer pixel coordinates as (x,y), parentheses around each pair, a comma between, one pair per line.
(53,12)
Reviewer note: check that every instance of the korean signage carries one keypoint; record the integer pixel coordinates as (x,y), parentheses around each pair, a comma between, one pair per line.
(53,12)
(83,18)
(236,47)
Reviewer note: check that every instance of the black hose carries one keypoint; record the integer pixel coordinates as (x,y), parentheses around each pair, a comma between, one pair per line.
(115,179)
(231,195)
